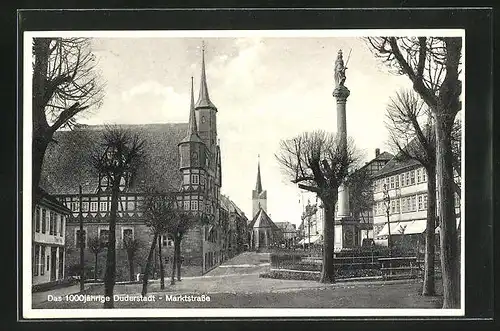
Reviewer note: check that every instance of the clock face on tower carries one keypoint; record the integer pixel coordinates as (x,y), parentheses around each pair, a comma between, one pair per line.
(194,156)
(203,119)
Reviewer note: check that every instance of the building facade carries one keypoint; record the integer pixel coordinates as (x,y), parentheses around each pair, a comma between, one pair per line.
(180,158)
(48,241)
(405,182)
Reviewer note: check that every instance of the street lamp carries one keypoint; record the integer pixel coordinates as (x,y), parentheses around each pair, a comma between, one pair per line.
(387,202)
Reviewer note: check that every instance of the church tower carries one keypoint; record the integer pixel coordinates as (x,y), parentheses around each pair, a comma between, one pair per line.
(259,196)
(193,154)
(206,120)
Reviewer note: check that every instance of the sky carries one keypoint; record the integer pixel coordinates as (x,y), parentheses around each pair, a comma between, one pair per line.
(265,88)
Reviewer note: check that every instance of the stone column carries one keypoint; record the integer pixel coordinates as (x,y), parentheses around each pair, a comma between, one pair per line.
(341,93)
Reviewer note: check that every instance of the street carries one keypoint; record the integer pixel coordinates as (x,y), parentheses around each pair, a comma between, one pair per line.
(236,284)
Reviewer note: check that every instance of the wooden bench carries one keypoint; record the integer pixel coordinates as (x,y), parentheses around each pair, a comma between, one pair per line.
(407,266)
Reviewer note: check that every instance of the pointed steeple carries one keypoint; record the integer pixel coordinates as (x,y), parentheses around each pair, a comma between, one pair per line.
(203,98)
(258,185)
(192,134)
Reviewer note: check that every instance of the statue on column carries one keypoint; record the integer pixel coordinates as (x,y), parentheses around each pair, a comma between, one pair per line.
(339,70)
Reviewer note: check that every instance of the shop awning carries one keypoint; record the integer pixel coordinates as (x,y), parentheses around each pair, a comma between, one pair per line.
(314,239)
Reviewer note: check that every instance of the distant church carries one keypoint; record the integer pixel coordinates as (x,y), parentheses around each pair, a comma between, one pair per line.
(263,232)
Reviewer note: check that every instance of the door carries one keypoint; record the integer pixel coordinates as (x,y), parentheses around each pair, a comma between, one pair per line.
(61,263)
(53,265)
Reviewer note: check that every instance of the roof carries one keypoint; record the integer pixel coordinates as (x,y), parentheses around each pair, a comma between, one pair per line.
(192,131)
(262,220)
(67,163)
(396,165)
(385,156)
(204,98)
(45,199)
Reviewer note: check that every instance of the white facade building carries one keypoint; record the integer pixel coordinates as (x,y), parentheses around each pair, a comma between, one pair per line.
(48,249)
(406,184)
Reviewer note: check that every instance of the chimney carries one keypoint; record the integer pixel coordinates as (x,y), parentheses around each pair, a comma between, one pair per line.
(377,152)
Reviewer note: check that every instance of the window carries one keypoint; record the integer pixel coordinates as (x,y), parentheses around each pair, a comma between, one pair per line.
(202,180)
(457,200)
(393,206)
(130,205)
(36,260)
(186,179)
(412,177)
(404,208)
(419,177)
(51,223)
(397,181)
(424,174)
(93,206)
(414,203)
(85,206)
(127,234)
(42,263)
(425,201)
(397,206)
(77,238)
(403,179)
(44,221)
(194,205)
(75,206)
(103,206)
(186,205)
(61,225)
(104,236)
(195,179)
(392,182)
(37,219)
(420,203)
(166,241)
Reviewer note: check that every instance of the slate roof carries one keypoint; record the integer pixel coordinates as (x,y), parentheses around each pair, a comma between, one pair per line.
(67,163)
(262,220)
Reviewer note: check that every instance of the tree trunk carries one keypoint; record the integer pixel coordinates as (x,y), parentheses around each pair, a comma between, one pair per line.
(95,267)
(130,265)
(148,266)
(448,229)
(328,269)
(41,136)
(109,278)
(429,269)
(174,263)
(179,261)
(162,275)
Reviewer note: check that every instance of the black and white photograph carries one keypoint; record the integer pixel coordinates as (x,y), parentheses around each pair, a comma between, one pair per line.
(263,173)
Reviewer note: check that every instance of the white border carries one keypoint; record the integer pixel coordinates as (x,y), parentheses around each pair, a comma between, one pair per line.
(28,312)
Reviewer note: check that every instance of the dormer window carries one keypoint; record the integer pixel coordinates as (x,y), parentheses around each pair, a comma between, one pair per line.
(195,179)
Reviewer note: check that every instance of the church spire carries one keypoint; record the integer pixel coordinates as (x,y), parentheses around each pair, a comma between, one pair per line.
(204,99)
(258,185)
(192,133)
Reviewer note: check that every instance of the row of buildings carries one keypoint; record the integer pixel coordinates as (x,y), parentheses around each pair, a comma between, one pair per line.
(181,158)
(398,186)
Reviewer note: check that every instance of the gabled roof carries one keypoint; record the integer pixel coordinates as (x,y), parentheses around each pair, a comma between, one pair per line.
(398,163)
(67,163)
(262,220)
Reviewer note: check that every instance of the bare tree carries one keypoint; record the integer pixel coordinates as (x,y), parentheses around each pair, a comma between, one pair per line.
(65,83)
(409,124)
(159,210)
(433,66)
(96,246)
(118,157)
(318,163)
(360,185)
(131,246)
(182,223)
